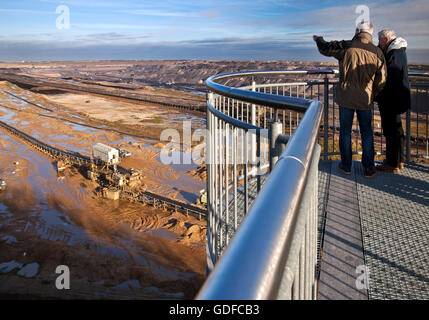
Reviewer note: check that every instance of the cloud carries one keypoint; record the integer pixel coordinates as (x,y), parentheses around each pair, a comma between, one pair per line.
(112,26)
(277,29)
(25,11)
(111,37)
(159,13)
(205,49)
(85,3)
(211,14)
(409,18)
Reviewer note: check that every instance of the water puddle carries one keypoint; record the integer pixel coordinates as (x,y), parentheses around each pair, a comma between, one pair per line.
(81,128)
(8,114)
(70,80)
(130,139)
(188,188)
(164,234)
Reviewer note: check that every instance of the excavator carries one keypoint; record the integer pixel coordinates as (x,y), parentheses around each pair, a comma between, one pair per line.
(2,185)
(202,200)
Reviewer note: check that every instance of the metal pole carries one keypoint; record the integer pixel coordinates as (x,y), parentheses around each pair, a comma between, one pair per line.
(326,119)
(234,157)
(209,153)
(245,151)
(408,137)
(276,129)
(227,162)
(253,137)
(258,164)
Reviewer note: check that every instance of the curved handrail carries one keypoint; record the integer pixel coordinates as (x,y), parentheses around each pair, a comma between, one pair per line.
(266,99)
(272,100)
(251,268)
(418,73)
(231,120)
(268,73)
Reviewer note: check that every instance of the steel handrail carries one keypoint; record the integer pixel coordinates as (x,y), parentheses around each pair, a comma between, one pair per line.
(231,120)
(418,74)
(266,99)
(251,267)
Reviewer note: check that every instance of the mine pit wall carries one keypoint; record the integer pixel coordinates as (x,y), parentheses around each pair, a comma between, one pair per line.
(30,84)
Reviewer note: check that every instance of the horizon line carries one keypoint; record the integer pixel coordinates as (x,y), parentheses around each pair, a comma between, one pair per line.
(184,59)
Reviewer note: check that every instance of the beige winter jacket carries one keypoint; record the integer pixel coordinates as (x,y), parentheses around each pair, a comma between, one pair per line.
(362,70)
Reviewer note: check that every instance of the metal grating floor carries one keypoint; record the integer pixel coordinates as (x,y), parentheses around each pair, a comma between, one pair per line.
(394,213)
(323,188)
(394,221)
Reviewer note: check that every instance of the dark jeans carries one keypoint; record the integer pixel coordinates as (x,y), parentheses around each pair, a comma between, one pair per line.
(394,133)
(367,137)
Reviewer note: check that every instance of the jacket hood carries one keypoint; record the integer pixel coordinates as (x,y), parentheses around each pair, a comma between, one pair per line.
(397,43)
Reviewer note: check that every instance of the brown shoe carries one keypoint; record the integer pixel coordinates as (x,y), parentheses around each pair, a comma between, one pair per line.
(343,170)
(369,173)
(387,168)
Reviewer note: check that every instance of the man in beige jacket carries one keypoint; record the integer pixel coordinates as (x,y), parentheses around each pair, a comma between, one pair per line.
(362,76)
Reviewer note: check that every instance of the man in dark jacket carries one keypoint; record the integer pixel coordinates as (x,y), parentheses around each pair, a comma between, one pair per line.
(362,76)
(394,99)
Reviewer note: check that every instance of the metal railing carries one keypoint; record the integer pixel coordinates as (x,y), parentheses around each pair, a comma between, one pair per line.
(273,254)
(415,121)
(274,251)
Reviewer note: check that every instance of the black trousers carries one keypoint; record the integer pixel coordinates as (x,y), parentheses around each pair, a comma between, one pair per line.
(394,133)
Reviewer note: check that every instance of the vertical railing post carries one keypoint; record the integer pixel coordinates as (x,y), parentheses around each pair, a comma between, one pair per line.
(253,136)
(210,247)
(246,170)
(258,163)
(325,118)
(408,136)
(315,215)
(276,129)
(227,163)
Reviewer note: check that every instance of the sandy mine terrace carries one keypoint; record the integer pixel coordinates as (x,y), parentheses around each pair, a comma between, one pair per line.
(113,249)
(124,113)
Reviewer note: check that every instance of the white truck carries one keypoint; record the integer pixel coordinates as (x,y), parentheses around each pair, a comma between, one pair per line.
(105,153)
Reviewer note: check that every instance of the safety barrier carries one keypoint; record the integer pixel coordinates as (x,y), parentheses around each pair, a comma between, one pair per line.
(261,242)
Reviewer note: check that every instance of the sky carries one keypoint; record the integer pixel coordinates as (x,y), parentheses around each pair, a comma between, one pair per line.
(43,30)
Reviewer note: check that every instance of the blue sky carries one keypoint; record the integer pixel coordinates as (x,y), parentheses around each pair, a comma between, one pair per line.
(198,29)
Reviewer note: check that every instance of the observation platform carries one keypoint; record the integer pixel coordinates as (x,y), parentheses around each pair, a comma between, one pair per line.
(371,234)
(381,223)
